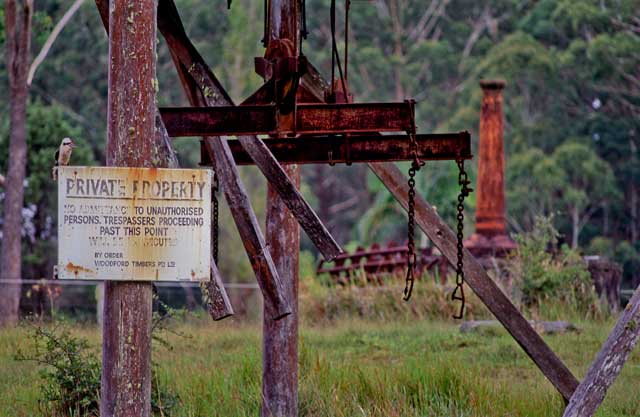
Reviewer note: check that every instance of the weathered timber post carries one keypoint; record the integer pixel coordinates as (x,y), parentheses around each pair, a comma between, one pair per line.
(608,363)
(491,237)
(126,343)
(280,338)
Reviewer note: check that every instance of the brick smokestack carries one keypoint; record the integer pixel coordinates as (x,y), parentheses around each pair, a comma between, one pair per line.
(490,237)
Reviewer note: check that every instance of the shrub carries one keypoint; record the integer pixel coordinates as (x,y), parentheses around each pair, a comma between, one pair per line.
(72,370)
(542,272)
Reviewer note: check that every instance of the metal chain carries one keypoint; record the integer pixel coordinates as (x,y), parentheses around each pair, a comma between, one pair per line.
(463,181)
(216,214)
(416,164)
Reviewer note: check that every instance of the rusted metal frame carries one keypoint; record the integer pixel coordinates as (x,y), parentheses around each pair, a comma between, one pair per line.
(166,153)
(608,363)
(477,278)
(360,148)
(204,89)
(321,119)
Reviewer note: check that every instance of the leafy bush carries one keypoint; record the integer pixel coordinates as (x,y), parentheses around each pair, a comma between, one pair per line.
(72,370)
(542,272)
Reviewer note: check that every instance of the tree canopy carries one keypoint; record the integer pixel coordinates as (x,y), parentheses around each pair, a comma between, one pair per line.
(572,106)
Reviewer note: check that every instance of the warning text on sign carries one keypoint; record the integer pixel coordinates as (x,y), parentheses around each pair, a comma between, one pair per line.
(134,224)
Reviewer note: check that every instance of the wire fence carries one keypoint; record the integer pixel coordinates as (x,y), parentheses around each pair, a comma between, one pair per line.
(82,299)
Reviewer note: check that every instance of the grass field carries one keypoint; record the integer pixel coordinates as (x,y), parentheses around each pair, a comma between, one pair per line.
(354,368)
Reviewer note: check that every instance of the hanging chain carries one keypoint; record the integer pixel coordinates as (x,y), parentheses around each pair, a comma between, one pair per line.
(463,181)
(416,164)
(215,220)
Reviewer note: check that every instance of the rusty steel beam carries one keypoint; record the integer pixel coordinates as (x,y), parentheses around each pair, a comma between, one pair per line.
(321,119)
(477,278)
(355,149)
(219,120)
(203,89)
(131,141)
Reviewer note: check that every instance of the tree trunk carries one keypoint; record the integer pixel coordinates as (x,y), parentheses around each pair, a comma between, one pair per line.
(633,197)
(575,224)
(18,43)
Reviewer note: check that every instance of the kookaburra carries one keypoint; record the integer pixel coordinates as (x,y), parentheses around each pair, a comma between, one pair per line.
(63,155)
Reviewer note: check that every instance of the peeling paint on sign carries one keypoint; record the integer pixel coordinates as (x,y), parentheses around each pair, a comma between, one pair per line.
(139,224)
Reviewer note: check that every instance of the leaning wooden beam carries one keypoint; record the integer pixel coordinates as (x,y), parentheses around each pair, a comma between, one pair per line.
(365,148)
(247,224)
(484,287)
(609,362)
(319,119)
(201,94)
(218,303)
(204,89)
(218,310)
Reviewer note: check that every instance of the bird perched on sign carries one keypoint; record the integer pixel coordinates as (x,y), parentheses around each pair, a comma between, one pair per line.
(63,156)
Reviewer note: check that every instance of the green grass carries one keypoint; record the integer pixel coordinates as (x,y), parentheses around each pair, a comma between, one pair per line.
(354,368)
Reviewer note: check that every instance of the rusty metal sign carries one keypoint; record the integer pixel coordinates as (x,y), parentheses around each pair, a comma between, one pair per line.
(134,224)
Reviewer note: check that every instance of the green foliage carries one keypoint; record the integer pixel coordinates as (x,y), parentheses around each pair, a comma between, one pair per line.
(71,369)
(46,127)
(357,368)
(572,78)
(70,373)
(541,273)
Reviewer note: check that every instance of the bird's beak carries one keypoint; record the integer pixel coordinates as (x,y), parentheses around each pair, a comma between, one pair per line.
(73,145)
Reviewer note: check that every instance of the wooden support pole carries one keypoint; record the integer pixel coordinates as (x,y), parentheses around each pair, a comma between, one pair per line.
(126,343)
(476,277)
(280,340)
(609,362)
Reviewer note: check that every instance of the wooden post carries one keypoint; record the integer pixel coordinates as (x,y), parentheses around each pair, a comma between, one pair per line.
(280,338)
(131,141)
(609,362)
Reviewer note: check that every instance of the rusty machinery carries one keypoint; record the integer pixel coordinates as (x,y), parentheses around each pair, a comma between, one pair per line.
(309,121)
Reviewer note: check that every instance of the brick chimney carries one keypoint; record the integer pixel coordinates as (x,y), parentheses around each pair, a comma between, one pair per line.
(490,237)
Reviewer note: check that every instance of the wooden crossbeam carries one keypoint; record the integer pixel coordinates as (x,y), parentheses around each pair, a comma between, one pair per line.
(203,89)
(236,196)
(361,148)
(321,119)
(607,366)
(217,310)
(477,278)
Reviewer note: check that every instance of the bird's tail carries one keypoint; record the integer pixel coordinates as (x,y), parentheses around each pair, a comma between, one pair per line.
(54,172)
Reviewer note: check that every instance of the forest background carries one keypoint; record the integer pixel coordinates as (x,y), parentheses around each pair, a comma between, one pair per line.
(572,111)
